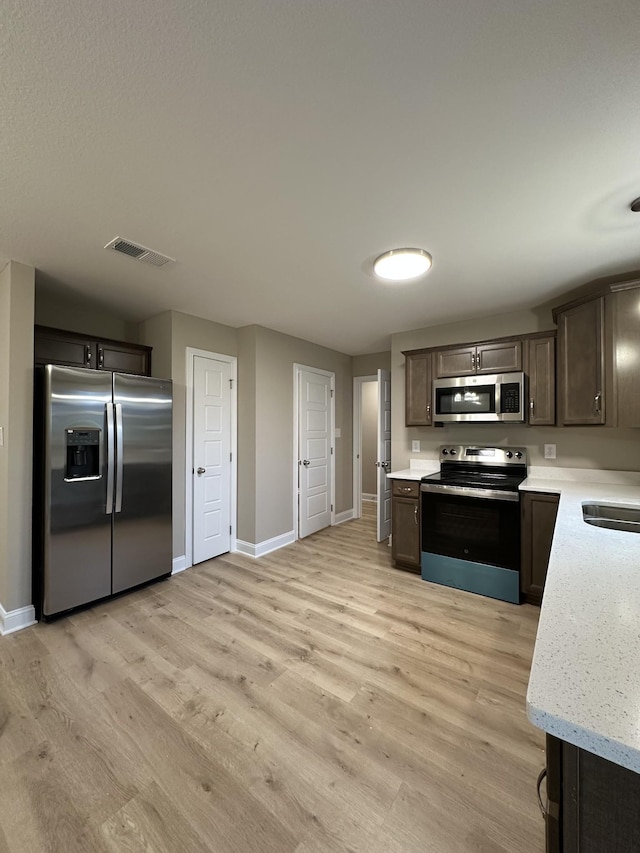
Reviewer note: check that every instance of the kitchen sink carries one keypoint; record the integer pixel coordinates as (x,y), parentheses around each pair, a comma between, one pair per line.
(612,516)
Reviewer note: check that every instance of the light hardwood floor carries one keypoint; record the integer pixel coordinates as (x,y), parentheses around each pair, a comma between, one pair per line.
(315,700)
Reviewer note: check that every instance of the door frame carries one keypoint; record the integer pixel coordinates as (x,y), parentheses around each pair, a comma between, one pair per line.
(297,369)
(191,354)
(358,382)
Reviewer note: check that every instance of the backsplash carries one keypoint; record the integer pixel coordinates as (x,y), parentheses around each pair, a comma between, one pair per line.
(601,448)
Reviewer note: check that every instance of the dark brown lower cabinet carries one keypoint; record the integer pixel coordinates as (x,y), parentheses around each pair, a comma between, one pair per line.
(538,521)
(405,524)
(593,805)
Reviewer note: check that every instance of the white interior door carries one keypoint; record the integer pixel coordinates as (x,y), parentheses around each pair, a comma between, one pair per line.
(383,464)
(211,458)
(314,452)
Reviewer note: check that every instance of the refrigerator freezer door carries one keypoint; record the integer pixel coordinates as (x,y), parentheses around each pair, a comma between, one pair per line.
(77,529)
(142,546)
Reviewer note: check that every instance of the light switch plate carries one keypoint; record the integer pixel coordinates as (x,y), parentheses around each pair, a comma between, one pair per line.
(549,451)
(415,446)
(1,436)
(338,432)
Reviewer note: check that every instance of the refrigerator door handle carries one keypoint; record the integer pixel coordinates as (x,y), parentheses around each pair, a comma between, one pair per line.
(119,459)
(110,459)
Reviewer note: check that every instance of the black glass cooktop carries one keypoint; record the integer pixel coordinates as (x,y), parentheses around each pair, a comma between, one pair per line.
(478,479)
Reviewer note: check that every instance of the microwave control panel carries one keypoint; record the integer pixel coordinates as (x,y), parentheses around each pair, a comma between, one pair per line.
(510,397)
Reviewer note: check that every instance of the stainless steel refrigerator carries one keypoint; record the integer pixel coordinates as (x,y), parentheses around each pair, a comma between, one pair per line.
(106,485)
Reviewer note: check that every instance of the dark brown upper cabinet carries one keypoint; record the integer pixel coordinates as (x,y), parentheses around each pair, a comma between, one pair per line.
(599,353)
(418,389)
(489,357)
(623,392)
(55,346)
(540,367)
(581,368)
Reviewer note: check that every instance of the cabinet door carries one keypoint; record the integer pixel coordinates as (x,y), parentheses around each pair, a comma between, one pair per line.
(456,362)
(53,347)
(541,370)
(124,359)
(538,515)
(552,816)
(499,357)
(625,307)
(418,389)
(600,799)
(405,529)
(581,392)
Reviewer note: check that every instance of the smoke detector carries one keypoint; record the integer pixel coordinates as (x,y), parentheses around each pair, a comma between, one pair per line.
(139,252)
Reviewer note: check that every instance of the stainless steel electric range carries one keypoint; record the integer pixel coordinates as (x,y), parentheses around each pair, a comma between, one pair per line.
(471,520)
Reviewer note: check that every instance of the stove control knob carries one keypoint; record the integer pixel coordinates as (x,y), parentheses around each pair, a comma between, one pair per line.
(508,454)
(445,452)
(452,451)
(518,454)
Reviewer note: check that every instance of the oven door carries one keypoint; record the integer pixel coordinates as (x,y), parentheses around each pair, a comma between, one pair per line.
(475,529)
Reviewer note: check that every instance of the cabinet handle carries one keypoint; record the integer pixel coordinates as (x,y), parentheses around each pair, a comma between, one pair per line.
(473,360)
(596,403)
(428,410)
(415,514)
(406,488)
(87,354)
(532,405)
(100,357)
(541,776)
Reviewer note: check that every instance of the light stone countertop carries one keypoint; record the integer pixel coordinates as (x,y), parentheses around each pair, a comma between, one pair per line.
(418,469)
(584,685)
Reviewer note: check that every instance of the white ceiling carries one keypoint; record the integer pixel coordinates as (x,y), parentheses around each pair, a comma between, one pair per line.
(275,147)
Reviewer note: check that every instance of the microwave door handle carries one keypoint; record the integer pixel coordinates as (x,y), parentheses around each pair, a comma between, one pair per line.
(110,459)
(498,401)
(119,460)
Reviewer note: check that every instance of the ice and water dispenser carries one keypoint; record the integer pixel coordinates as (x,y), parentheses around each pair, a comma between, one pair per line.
(83,454)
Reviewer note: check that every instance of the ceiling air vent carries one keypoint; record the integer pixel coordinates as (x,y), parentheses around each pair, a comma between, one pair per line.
(138,252)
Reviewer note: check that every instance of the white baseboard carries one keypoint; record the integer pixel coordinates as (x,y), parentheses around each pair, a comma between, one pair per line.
(368,497)
(16,620)
(179,565)
(266,547)
(341,517)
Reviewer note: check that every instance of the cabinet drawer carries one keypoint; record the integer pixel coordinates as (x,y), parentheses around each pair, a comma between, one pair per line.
(405,489)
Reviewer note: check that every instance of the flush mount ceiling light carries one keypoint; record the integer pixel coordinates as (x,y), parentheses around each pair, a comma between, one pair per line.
(402,264)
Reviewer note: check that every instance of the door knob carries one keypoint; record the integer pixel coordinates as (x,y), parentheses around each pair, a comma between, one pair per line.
(201,470)
(306,462)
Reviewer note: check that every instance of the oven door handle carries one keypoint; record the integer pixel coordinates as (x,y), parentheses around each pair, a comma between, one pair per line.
(470,492)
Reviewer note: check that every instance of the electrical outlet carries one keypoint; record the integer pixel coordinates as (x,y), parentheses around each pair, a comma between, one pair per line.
(415,446)
(549,451)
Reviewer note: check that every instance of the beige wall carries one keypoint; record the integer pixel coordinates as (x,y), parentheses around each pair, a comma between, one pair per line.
(265,415)
(247,433)
(17,291)
(170,334)
(369,447)
(367,365)
(577,447)
(79,314)
(275,355)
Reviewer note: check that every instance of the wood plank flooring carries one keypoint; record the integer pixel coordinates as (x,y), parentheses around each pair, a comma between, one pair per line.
(313,701)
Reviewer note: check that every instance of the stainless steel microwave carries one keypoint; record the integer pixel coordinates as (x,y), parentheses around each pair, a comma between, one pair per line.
(496,397)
